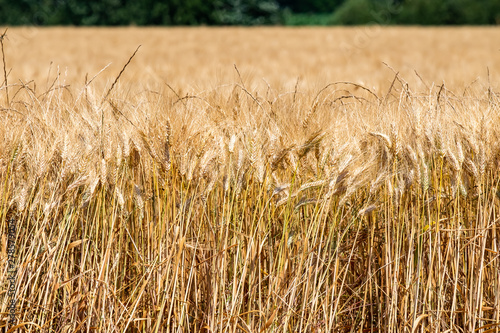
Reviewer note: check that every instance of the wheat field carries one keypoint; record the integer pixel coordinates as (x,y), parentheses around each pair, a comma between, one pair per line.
(251,179)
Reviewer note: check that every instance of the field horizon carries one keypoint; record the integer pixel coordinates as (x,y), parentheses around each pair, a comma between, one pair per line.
(202,58)
(251,179)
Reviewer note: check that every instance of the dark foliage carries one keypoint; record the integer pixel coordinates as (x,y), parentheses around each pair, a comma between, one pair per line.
(247,12)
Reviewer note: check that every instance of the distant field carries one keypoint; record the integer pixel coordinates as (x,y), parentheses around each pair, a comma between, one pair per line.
(204,57)
(251,179)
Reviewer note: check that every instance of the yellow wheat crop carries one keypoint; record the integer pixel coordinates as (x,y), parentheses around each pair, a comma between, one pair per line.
(252,179)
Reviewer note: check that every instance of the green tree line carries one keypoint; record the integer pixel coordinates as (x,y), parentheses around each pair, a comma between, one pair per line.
(248,12)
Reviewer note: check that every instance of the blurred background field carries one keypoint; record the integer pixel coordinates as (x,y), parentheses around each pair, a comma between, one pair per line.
(200,58)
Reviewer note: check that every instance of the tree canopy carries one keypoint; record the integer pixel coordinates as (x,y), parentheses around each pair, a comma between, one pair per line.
(248,12)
